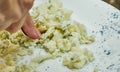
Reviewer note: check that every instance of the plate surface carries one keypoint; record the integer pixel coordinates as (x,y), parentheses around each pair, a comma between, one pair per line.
(101,20)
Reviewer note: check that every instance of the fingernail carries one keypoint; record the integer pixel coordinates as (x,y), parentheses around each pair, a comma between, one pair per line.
(36,33)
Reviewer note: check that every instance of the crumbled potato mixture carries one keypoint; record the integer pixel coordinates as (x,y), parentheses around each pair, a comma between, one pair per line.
(13,47)
(59,35)
(95,69)
(77,58)
(62,35)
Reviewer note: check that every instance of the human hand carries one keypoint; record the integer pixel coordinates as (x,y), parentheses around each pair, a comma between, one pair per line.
(115,3)
(14,16)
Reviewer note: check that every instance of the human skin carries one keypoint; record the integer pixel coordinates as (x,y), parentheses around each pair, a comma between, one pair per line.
(14,15)
(115,3)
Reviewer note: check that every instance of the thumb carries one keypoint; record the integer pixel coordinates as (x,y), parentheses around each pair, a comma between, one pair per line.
(29,29)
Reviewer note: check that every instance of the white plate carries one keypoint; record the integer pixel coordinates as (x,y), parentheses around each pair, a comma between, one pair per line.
(101,20)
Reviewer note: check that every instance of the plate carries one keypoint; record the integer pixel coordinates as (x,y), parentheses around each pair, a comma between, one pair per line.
(101,20)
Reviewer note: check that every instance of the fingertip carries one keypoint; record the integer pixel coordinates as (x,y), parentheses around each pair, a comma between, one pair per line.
(29,29)
(35,34)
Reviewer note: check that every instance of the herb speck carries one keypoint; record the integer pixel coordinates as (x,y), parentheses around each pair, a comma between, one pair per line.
(119,32)
(101,32)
